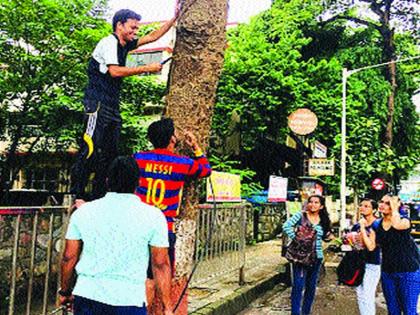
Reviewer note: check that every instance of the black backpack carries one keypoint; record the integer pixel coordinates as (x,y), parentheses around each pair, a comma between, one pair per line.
(351,269)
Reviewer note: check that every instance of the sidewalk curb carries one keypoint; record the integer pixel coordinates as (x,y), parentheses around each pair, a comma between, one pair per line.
(240,299)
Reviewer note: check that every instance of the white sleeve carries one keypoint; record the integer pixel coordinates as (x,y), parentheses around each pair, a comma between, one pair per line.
(106,53)
(74,227)
(160,232)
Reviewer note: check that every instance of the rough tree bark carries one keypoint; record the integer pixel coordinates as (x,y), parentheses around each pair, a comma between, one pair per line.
(195,71)
(387,33)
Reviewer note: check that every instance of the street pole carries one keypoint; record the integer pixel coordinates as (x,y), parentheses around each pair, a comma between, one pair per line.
(346,74)
(343,154)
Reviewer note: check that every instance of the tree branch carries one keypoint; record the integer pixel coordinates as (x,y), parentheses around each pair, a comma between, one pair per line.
(350,18)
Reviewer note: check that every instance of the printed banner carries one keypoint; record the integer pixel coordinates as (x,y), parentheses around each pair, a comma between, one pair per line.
(277,189)
(227,187)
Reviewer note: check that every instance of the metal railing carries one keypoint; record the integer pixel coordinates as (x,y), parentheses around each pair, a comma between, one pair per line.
(34,236)
(220,241)
(31,240)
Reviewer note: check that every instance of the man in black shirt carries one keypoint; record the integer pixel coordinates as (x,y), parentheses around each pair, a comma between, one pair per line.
(106,69)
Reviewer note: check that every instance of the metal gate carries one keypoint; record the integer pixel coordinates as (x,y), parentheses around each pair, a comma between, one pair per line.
(31,241)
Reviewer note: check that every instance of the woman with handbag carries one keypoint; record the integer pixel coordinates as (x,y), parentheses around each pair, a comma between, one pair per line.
(306,229)
(365,230)
(400,259)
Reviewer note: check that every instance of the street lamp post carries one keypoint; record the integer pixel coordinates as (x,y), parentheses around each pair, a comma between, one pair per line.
(345,76)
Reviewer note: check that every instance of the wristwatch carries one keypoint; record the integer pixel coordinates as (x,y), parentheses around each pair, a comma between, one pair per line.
(65,293)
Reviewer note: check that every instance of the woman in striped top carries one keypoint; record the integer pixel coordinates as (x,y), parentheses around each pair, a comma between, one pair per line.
(305,277)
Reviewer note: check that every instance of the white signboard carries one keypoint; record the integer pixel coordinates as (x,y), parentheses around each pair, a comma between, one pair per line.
(277,189)
(320,150)
(321,167)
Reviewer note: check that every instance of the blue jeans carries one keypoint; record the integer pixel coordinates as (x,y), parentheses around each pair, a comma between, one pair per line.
(84,306)
(304,280)
(401,291)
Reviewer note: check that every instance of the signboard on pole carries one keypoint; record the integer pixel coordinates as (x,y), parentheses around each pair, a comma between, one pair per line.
(321,167)
(302,121)
(320,150)
(378,184)
(226,187)
(277,189)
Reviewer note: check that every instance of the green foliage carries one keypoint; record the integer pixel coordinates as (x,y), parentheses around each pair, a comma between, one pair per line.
(263,79)
(44,50)
(284,59)
(248,186)
(44,46)
(138,92)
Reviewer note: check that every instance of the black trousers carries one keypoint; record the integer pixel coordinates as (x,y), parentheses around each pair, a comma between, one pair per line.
(98,148)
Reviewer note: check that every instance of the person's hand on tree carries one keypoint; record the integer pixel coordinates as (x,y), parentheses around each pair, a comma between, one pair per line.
(177,11)
(191,140)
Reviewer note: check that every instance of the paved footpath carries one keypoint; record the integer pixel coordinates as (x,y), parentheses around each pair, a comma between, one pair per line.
(265,294)
(330,300)
(224,295)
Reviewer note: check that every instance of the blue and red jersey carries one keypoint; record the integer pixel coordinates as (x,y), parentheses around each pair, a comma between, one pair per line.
(162,178)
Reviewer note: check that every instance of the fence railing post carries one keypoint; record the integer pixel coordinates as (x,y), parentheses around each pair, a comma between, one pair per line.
(14,265)
(32,264)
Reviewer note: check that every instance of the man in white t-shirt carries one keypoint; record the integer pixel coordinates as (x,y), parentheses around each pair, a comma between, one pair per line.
(106,70)
(107,246)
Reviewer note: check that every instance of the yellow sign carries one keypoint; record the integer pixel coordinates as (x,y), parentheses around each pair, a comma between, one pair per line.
(321,167)
(226,187)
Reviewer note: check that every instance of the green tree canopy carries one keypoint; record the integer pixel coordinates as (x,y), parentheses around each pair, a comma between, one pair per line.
(285,59)
(44,50)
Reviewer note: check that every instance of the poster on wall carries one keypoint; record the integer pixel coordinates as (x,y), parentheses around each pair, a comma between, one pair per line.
(226,187)
(311,187)
(277,189)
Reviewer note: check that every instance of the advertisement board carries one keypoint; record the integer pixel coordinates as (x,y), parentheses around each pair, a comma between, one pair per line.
(277,189)
(321,167)
(226,187)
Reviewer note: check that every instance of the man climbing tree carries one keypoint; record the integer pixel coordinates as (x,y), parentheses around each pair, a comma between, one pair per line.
(106,69)
(195,71)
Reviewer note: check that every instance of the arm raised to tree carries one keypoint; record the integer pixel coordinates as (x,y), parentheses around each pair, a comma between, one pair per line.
(156,34)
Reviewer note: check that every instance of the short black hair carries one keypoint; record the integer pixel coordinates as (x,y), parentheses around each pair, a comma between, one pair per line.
(123,175)
(123,15)
(160,132)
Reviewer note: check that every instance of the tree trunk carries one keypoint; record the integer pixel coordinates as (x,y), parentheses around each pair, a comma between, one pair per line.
(195,71)
(391,73)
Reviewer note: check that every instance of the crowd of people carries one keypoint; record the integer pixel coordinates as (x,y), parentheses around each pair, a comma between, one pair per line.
(389,252)
(123,232)
(121,239)
(108,239)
